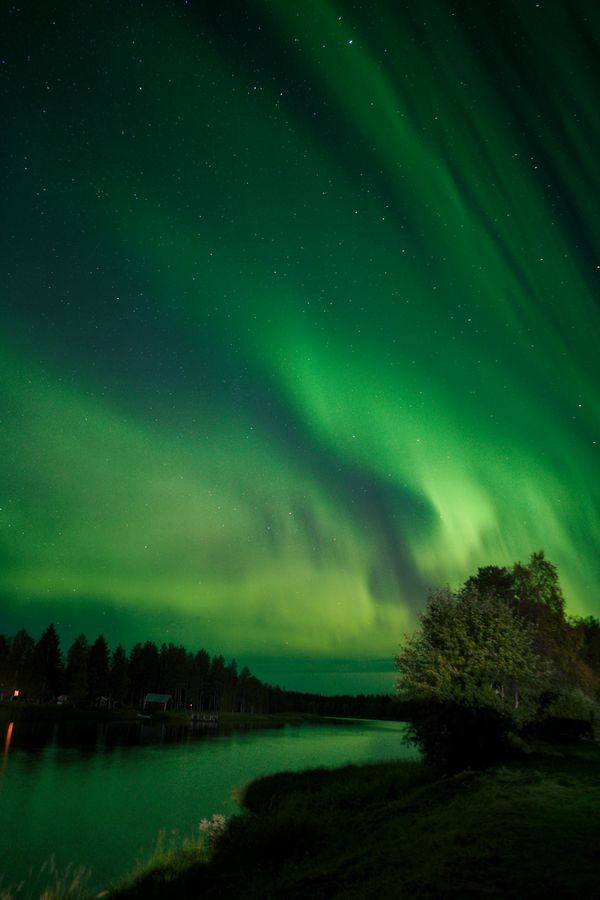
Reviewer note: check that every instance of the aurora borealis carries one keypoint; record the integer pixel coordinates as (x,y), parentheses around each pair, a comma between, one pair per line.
(299,318)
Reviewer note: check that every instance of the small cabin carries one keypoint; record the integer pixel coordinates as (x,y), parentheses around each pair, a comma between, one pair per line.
(158,702)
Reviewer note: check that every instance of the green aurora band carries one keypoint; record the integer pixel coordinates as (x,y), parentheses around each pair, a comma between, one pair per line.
(300,319)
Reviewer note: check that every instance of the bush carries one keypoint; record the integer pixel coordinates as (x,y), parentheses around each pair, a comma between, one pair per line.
(572,704)
(268,841)
(561,729)
(454,736)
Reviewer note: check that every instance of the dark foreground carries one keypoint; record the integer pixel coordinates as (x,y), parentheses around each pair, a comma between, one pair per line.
(530,829)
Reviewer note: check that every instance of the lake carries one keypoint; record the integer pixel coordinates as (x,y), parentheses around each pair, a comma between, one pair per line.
(100,795)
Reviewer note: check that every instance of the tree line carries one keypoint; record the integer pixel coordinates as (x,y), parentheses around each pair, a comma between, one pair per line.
(92,675)
(498,661)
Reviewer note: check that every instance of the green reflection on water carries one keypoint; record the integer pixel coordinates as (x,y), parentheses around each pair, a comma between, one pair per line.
(92,801)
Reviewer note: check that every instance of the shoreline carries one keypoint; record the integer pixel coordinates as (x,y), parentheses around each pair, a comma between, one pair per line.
(397,830)
(391,830)
(44,713)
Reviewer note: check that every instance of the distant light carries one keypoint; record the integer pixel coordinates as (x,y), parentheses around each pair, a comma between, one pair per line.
(15,693)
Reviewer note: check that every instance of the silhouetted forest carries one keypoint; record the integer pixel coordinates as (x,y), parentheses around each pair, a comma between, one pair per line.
(93,675)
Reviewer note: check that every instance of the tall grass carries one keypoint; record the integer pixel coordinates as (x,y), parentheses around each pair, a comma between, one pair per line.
(173,856)
(50,882)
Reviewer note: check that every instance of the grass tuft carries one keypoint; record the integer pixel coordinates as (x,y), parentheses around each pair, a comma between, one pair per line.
(50,883)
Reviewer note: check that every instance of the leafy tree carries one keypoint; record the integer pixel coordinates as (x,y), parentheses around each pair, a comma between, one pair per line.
(469,675)
(533,592)
(494,581)
(537,583)
(471,649)
(590,646)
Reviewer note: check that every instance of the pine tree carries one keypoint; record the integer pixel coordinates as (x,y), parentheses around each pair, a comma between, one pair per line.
(77,670)
(98,669)
(47,665)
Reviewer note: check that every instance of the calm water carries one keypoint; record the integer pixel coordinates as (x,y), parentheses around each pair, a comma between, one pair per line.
(99,797)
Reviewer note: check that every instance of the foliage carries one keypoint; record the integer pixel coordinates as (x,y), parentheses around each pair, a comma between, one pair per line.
(533,592)
(453,735)
(471,677)
(537,583)
(569,704)
(469,649)
(484,662)
(590,631)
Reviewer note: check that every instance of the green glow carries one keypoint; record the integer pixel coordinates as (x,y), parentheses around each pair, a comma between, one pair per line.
(302,319)
(127,514)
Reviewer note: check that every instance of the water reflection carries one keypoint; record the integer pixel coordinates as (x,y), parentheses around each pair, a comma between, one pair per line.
(97,795)
(8,738)
(94,737)
(7,743)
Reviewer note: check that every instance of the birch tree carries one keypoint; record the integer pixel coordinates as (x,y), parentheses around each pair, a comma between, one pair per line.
(469,676)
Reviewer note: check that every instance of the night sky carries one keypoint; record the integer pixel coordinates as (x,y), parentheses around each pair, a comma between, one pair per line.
(299,318)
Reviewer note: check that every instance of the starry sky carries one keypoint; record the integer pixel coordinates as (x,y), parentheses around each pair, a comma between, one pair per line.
(299,318)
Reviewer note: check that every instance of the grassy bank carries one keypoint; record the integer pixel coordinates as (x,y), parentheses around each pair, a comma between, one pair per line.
(529,829)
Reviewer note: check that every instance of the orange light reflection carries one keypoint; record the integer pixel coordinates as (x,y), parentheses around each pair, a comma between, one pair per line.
(8,738)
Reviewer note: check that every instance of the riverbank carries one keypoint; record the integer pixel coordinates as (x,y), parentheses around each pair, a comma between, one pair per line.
(395,830)
(25,712)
